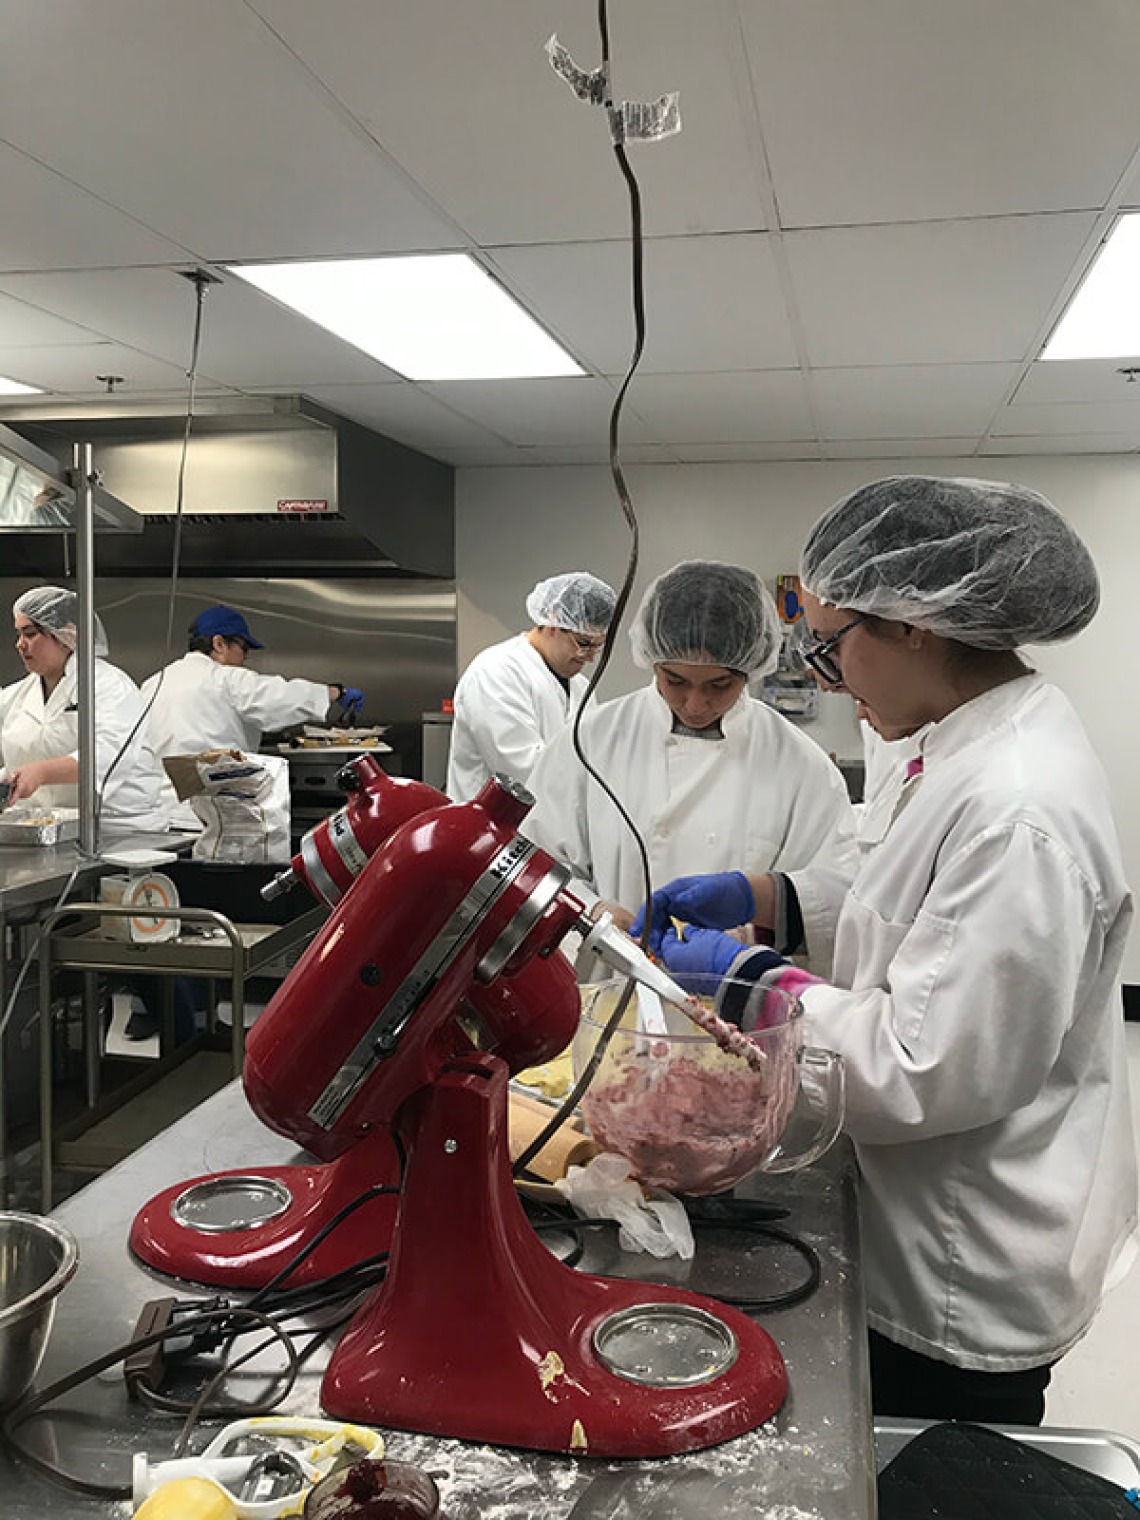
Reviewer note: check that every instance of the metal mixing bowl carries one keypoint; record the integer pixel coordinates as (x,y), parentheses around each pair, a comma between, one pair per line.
(38,1258)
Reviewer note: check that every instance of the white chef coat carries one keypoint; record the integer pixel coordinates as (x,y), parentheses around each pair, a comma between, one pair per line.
(987,1086)
(887,781)
(204,705)
(508,705)
(764,797)
(137,792)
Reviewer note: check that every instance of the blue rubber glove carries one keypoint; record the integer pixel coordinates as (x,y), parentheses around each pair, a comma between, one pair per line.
(701,955)
(720,901)
(352,702)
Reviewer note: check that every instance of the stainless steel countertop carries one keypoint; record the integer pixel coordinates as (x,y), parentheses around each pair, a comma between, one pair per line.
(814,1460)
(33,875)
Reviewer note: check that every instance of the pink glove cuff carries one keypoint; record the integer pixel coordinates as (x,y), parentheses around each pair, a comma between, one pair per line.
(793,980)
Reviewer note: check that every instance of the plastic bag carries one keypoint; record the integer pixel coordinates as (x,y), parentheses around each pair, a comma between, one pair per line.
(243,805)
(655,1221)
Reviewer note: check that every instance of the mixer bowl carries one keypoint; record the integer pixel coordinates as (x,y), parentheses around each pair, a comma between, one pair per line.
(38,1258)
(688,1116)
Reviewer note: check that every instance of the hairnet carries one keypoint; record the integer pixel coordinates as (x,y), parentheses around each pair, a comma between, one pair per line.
(985,562)
(576,601)
(703,612)
(57,610)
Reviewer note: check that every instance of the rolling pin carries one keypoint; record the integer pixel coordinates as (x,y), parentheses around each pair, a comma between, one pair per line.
(567,1147)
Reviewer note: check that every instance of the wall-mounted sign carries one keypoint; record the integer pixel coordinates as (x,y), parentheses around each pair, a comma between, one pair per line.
(304,506)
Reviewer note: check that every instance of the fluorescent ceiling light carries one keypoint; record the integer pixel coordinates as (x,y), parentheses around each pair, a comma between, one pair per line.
(17,388)
(428,317)
(1103,318)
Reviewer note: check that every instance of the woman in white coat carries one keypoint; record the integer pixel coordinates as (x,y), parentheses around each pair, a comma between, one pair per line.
(975,995)
(39,721)
(710,776)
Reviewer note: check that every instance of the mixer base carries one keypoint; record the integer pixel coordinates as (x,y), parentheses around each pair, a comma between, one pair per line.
(479,1333)
(238,1229)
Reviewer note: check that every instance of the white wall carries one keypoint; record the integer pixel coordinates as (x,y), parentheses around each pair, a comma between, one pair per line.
(514,526)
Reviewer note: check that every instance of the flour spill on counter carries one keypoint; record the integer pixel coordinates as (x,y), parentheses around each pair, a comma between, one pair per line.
(494,1483)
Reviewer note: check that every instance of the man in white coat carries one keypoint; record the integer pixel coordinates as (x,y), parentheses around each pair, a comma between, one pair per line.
(209,699)
(710,775)
(515,697)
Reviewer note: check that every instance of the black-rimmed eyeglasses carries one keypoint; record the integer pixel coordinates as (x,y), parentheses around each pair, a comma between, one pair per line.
(587,645)
(817,656)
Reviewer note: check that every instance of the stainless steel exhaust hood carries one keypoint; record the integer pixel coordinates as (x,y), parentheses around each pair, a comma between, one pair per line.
(36,495)
(273,486)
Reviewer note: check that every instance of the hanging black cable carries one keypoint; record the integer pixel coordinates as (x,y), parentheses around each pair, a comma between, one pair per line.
(201,282)
(637,286)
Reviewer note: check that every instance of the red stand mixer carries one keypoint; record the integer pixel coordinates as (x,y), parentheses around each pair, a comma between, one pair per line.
(394,1036)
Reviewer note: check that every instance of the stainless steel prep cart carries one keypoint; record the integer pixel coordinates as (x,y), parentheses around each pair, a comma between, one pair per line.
(31,880)
(239,951)
(813,1461)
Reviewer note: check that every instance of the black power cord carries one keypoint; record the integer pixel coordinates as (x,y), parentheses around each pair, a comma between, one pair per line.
(742,1216)
(196,1329)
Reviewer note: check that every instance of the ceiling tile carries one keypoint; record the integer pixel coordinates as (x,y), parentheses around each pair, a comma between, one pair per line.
(403,411)
(1071,443)
(540,412)
(900,448)
(909,400)
(946,292)
(241,154)
(27,325)
(247,339)
(1076,380)
(58,225)
(756,407)
(711,303)
(75,368)
(717,453)
(504,454)
(934,179)
(598,454)
(447,73)
(912,109)
(1044,421)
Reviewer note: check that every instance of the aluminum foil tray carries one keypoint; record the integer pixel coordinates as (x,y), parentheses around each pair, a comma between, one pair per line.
(42,826)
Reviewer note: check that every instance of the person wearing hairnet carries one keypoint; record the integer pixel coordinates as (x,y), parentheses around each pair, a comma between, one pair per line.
(516,696)
(39,721)
(208,699)
(709,774)
(974,994)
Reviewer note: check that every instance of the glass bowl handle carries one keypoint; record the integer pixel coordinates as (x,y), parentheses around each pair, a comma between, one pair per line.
(826,1094)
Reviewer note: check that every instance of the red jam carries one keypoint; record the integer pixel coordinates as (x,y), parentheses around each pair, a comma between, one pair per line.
(366,1486)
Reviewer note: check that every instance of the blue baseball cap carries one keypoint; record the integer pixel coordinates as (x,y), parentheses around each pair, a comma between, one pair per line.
(227,621)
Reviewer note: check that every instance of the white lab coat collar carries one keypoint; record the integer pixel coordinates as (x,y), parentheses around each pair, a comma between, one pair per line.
(975,721)
(735,720)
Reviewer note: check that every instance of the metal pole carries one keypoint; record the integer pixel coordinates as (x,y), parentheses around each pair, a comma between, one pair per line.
(83,477)
(46,1116)
(6,937)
